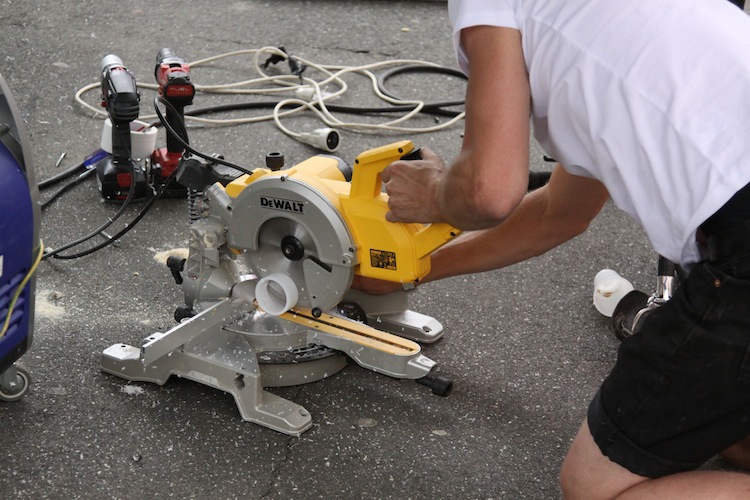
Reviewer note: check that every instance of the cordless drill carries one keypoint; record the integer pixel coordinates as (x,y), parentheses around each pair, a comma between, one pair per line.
(173,76)
(116,173)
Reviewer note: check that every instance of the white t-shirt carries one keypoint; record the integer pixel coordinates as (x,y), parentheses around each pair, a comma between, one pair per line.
(650,97)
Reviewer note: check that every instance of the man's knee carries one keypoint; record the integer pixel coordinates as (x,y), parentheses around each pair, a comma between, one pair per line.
(587,473)
(575,479)
(569,476)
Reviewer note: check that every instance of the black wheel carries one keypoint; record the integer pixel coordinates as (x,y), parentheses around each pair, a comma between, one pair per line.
(21,385)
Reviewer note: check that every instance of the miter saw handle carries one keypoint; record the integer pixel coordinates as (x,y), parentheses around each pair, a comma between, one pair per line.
(365,209)
(367,182)
(369,166)
(428,239)
(416,154)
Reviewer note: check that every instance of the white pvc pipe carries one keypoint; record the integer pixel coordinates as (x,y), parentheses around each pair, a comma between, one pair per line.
(276,293)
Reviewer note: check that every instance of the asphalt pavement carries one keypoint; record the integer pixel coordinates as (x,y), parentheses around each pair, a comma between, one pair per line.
(525,346)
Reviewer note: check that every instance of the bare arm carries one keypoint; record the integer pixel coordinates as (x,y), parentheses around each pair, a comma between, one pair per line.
(544,219)
(490,175)
(484,190)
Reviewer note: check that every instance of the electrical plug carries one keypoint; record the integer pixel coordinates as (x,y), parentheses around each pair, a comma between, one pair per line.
(326,139)
(307,93)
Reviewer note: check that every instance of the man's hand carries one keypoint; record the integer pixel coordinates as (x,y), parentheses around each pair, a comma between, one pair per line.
(414,187)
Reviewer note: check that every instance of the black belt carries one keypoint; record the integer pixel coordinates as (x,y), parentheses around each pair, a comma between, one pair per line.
(729,242)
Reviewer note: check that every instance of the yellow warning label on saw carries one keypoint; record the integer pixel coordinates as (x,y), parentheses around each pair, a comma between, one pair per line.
(382,259)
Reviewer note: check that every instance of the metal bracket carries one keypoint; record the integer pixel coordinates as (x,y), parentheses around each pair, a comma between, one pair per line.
(200,350)
(219,348)
(391,313)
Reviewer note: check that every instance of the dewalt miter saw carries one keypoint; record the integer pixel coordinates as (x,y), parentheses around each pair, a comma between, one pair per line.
(267,278)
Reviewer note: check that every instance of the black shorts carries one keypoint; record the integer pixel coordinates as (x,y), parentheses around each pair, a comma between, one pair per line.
(680,390)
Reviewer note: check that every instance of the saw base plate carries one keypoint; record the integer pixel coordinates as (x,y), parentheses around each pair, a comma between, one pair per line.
(241,351)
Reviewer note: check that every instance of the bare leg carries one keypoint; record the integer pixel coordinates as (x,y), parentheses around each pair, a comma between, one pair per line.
(588,474)
(738,454)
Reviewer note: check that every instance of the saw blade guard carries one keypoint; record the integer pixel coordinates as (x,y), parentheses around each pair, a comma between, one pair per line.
(309,223)
(288,224)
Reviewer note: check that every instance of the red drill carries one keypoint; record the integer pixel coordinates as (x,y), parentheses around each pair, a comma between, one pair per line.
(173,76)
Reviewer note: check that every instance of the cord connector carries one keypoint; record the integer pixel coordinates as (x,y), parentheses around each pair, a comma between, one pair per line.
(326,139)
(307,93)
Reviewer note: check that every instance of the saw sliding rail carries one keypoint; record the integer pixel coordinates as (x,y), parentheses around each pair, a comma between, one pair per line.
(221,347)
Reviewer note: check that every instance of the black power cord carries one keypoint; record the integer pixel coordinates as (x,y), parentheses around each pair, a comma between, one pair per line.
(161,100)
(83,170)
(337,108)
(111,220)
(128,227)
(67,186)
(436,108)
(61,176)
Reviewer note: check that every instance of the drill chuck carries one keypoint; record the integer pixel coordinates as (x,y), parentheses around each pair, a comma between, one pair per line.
(119,91)
(111,61)
(173,76)
(169,57)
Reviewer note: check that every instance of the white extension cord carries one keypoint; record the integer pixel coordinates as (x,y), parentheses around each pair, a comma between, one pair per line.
(309,95)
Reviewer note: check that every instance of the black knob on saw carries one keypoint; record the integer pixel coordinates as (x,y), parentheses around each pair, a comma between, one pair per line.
(292,248)
(183,312)
(440,386)
(176,265)
(275,161)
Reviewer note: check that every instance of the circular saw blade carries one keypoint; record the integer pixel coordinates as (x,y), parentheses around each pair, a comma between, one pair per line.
(286,246)
(285,225)
(270,256)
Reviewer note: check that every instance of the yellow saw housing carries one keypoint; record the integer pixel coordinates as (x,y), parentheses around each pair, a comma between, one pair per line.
(397,252)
